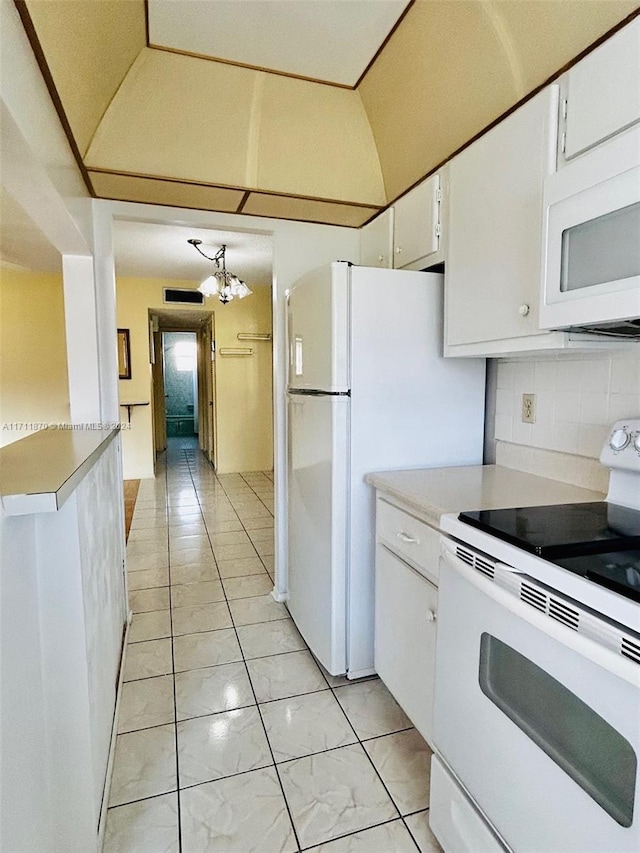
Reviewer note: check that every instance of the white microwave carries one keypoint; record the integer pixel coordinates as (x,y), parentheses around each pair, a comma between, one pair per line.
(591,233)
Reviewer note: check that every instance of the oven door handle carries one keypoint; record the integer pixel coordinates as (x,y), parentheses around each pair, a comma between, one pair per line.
(509,600)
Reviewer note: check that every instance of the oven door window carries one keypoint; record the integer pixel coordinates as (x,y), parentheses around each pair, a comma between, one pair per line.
(601,250)
(581,742)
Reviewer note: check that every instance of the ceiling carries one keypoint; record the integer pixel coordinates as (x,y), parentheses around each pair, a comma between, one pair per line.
(273,108)
(149,250)
(21,241)
(143,250)
(329,40)
(180,319)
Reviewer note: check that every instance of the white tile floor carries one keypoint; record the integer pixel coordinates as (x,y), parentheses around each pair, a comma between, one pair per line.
(231,737)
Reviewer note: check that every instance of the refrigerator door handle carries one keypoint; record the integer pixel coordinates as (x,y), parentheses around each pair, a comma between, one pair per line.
(306,392)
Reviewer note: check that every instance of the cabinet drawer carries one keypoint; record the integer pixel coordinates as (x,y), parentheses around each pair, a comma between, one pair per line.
(411,539)
(454,821)
(405,637)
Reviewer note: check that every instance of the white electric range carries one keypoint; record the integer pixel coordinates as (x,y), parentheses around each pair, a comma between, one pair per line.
(537,697)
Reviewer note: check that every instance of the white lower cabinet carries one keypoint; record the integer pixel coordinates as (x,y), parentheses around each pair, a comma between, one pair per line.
(405,636)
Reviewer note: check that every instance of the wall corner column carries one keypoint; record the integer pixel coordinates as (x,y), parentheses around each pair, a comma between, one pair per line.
(82,338)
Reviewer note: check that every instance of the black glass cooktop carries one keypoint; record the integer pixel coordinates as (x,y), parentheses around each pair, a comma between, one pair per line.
(565,530)
(619,571)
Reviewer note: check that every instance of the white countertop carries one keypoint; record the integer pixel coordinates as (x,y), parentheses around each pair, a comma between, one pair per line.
(39,472)
(432,492)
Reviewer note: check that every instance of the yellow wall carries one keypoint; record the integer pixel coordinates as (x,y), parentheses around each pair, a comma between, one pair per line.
(244,390)
(33,354)
(244,386)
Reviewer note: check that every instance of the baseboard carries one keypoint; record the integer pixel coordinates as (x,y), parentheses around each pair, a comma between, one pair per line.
(360,673)
(114,734)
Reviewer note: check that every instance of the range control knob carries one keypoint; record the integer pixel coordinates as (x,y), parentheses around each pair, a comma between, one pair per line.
(619,439)
(636,442)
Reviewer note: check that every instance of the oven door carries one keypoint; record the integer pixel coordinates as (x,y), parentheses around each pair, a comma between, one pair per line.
(538,722)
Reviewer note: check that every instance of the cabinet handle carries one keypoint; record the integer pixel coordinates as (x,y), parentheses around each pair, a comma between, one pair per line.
(431,616)
(523,310)
(380,258)
(398,249)
(405,537)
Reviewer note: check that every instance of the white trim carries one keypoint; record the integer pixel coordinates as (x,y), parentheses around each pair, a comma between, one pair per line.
(114,735)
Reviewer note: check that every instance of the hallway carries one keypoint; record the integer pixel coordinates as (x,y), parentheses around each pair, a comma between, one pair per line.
(231,737)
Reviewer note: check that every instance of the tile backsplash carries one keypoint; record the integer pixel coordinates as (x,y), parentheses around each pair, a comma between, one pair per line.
(578,397)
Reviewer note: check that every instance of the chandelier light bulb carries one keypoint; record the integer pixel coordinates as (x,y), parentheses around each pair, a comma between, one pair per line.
(241,290)
(209,286)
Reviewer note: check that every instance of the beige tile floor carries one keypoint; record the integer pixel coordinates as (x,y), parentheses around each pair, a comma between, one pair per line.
(231,737)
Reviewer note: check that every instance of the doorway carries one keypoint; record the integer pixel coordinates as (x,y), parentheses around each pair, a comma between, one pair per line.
(232,416)
(182,346)
(180,367)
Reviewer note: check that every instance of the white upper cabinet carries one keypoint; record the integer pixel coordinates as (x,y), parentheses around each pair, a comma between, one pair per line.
(603,92)
(407,235)
(492,276)
(376,241)
(417,226)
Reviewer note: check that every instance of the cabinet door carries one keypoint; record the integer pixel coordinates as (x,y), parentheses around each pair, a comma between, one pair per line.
(603,94)
(417,226)
(376,241)
(405,637)
(492,277)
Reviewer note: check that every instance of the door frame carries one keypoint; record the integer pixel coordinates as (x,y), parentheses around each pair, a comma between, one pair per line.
(207,390)
(158,399)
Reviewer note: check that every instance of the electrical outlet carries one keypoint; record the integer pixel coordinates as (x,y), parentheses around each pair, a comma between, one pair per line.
(528,408)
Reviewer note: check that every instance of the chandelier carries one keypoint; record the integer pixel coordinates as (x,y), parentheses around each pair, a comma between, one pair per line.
(221,282)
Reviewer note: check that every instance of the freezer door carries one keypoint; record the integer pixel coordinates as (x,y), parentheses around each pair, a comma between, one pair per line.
(318,462)
(318,330)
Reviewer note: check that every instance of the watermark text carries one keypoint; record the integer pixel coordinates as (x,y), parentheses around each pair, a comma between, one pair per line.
(36,426)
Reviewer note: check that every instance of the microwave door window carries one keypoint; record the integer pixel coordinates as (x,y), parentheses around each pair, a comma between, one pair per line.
(602,250)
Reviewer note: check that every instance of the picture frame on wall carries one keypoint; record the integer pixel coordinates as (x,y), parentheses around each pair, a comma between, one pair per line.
(124,354)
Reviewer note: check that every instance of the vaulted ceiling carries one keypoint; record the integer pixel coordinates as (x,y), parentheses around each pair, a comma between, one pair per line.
(318,110)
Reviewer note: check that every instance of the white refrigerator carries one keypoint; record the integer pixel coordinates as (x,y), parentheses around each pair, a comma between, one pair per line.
(368,390)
